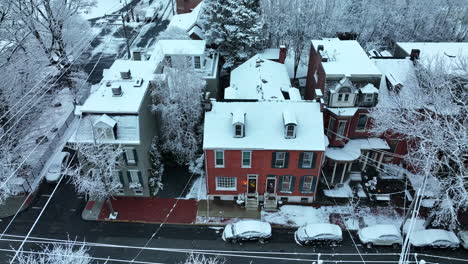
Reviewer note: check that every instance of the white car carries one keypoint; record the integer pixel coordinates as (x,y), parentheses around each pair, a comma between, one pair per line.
(318,233)
(463,235)
(247,230)
(435,238)
(380,235)
(55,168)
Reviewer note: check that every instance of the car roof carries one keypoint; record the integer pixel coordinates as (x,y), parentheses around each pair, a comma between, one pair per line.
(313,230)
(252,225)
(428,236)
(376,231)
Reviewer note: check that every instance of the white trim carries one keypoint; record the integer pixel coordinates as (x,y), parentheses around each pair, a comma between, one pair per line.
(241,130)
(303,184)
(282,190)
(218,188)
(309,165)
(242,159)
(283,159)
(215,163)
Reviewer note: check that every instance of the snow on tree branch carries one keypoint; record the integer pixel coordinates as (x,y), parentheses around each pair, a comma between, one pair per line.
(56,254)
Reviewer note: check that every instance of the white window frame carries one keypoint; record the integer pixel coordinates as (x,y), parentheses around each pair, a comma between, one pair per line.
(197,63)
(223,180)
(283,159)
(340,97)
(346,97)
(331,125)
(365,124)
(316,76)
(216,159)
(130,156)
(338,130)
(241,130)
(309,160)
(288,183)
(293,130)
(250,159)
(309,187)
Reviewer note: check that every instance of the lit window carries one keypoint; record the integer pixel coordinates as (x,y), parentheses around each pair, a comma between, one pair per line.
(307,159)
(219,158)
(286,184)
(197,62)
(280,158)
(246,159)
(226,183)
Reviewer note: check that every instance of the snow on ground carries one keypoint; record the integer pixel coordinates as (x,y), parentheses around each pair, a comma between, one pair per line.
(102,8)
(198,190)
(340,192)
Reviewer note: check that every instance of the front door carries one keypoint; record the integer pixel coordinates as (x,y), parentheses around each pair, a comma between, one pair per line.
(271,185)
(251,184)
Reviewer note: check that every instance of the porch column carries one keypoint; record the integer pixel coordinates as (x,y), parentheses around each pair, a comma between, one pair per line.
(380,159)
(365,161)
(342,174)
(349,166)
(333,174)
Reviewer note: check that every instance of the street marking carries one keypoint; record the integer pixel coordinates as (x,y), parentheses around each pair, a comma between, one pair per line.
(36,207)
(45,195)
(73,209)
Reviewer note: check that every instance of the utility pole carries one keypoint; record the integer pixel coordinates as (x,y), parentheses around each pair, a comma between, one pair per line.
(126,36)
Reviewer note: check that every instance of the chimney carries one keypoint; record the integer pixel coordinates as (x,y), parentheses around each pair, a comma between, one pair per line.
(126,75)
(137,55)
(415,54)
(320,48)
(116,90)
(283,52)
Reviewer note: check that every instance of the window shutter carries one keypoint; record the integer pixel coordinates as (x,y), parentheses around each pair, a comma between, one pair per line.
(293,181)
(301,184)
(140,178)
(125,158)
(135,155)
(286,159)
(314,157)
(129,177)
(280,185)
(314,182)
(301,158)
(121,178)
(273,159)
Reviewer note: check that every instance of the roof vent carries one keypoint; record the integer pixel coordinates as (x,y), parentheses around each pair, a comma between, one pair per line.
(126,75)
(264,81)
(258,62)
(320,48)
(108,84)
(117,90)
(138,83)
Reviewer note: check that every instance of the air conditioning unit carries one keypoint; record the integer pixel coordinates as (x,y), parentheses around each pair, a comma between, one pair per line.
(117,90)
(126,75)
(138,82)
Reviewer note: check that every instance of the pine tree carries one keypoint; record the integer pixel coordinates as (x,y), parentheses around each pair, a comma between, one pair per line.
(235,27)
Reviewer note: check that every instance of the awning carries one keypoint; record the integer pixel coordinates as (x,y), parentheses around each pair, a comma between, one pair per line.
(353,149)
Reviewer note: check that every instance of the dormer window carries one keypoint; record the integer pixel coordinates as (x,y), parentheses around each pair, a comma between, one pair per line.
(344,92)
(290,124)
(238,122)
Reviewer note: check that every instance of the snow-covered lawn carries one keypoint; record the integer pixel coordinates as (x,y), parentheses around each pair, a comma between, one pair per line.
(102,8)
(340,192)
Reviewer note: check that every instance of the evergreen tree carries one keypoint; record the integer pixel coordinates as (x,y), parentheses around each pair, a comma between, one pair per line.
(235,27)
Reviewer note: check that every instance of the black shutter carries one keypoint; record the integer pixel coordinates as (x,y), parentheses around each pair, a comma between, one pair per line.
(129,177)
(140,178)
(314,183)
(286,159)
(301,184)
(280,185)
(124,153)
(314,157)
(121,178)
(273,159)
(293,182)
(301,158)
(135,155)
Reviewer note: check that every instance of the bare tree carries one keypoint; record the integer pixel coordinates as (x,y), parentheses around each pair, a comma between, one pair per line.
(202,259)
(56,254)
(96,173)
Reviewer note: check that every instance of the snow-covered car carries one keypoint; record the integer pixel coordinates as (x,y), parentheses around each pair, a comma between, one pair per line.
(463,235)
(318,233)
(247,230)
(434,238)
(380,235)
(55,168)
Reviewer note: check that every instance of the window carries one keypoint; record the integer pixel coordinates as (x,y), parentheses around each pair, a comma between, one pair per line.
(238,130)
(226,183)
(307,159)
(316,76)
(286,185)
(130,155)
(341,128)
(105,133)
(197,62)
(290,131)
(346,97)
(362,120)
(219,158)
(307,184)
(340,97)
(280,158)
(368,98)
(246,159)
(331,125)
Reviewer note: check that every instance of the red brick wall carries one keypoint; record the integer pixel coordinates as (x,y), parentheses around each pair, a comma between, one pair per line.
(186,6)
(315,64)
(261,166)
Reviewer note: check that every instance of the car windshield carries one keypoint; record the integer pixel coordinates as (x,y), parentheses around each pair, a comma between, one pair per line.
(233,229)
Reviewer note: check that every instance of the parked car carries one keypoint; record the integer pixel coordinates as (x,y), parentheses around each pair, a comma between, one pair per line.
(318,233)
(380,235)
(247,230)
(55,168)
(463,235)
(435,238)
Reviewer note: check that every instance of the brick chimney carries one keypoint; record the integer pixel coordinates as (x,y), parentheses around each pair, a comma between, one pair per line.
(282,54)
(415,54)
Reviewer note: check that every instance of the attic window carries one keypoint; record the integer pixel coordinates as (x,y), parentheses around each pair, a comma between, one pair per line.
(238,122)
(290,124)
(290,131)
(238,130)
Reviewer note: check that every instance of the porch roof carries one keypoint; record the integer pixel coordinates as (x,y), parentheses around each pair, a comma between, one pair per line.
(352,150)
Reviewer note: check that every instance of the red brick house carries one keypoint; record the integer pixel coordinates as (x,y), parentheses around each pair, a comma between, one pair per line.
(263,151)
(186,6)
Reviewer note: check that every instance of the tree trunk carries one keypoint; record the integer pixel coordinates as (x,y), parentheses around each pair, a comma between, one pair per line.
(109,202)
(408,214)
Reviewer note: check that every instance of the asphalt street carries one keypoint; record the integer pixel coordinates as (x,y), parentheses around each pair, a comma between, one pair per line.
(171,244)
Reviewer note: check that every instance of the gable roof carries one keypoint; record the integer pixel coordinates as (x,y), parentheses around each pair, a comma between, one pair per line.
(106,120)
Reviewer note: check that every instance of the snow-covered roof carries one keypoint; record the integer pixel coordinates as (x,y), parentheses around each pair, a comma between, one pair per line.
(106,120)
(432,52)
(270,54)
(127,130)
(129,102)
(345,58)
(294,94)
(302,67)
(429,236)
(238,116)
(433,186)
(186,21)
(369,88)
(343,111)
(318,230)
(182,47)
(258,78)
(289,117)
(352,150)
(374,232)
(264,126)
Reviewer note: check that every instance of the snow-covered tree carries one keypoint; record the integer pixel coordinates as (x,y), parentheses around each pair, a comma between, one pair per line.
(56,254)
(177,98)
(433,118)
(202,259)
(157,167)
(95,175)
(235,26)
